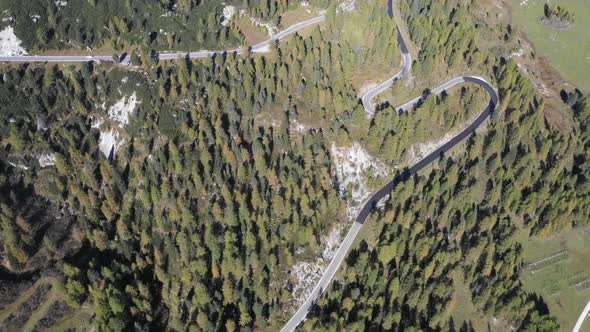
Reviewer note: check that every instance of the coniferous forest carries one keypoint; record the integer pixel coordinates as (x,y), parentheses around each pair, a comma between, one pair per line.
(223,177)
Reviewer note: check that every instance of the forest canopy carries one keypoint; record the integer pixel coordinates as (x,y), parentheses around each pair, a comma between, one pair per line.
(219,174)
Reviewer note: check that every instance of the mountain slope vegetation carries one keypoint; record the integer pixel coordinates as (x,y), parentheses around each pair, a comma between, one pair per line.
(220,178)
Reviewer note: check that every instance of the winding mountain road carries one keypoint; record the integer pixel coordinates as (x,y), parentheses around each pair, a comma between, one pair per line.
(369,206)
(366,100)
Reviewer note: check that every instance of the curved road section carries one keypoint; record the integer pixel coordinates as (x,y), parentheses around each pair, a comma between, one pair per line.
(366,99)
(370,206)
(582,317)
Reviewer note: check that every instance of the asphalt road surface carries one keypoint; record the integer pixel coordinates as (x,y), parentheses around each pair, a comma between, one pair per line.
(261,47)
(370,206)
(366,100)
(403,74)
(582,317)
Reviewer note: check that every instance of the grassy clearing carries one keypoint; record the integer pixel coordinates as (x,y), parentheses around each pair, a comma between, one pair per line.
(25,296)
(41,311)
(557,269)
(568,51)
(373,73)
(253,34)
(462,309)
(300,14)
(80,319)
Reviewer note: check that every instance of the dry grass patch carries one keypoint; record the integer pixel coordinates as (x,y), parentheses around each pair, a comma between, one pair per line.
(372,73)
(547,80)
(253,34)
(548,83)
(300,14)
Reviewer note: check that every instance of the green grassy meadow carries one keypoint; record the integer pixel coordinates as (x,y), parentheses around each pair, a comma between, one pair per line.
(557,269)
(568,51)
